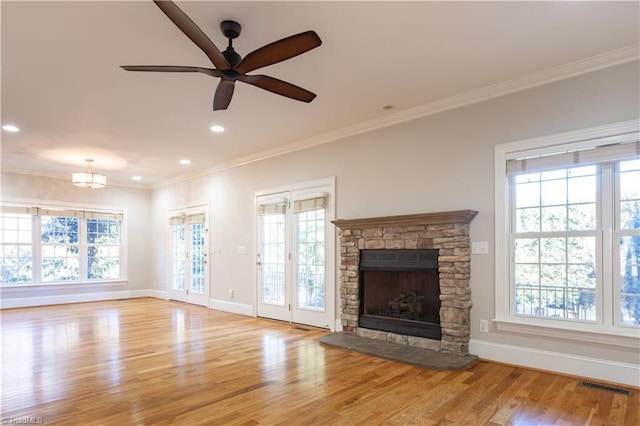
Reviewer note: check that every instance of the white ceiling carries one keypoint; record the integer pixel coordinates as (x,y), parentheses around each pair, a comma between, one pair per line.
(62,84)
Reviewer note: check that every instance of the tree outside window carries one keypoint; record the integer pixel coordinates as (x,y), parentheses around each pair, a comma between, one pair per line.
(56,245)
(103,249)
(629,178)
(60,248)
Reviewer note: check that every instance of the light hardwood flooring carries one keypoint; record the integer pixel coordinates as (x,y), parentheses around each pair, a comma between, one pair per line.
(147,362)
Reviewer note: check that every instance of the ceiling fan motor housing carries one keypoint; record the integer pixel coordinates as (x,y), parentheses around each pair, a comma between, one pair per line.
(231,30)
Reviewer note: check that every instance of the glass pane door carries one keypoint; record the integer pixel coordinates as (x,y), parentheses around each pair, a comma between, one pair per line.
(310,267)
(189,249)
(198,258)
(178,256)
(273,259)
(295,249)
(273,295)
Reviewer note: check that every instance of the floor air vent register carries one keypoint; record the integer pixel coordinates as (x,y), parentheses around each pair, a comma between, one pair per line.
(606,388)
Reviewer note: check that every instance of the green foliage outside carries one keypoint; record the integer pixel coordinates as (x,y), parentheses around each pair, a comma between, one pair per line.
(61,249)
(555,244)
(310,259)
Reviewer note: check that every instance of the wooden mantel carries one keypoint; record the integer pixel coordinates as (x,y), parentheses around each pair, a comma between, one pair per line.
(438,218)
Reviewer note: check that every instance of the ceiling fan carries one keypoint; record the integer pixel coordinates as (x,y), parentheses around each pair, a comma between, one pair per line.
(229,65)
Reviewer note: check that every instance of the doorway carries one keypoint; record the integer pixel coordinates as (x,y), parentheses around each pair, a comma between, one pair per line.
(189,248)
(296,255)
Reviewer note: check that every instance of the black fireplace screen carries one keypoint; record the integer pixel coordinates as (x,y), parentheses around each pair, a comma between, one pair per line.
(400,292)
(410,295)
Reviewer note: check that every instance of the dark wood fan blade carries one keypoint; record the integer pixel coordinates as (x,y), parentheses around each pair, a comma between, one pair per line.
(172,68)
(279,51)
(195,34)
(279,87)
(224,92)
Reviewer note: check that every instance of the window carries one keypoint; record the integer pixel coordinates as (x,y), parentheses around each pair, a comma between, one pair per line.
(568,232)
(17,248)
(46,245)
(627,237)
(60,248)
(103,249)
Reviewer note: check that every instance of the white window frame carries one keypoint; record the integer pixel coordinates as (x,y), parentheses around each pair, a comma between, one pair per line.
(505,319)
(37,210)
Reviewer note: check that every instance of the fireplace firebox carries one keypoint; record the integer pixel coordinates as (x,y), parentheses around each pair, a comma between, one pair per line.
(400,292)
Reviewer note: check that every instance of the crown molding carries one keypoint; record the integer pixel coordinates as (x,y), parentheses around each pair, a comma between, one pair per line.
(584,66)
(66,177)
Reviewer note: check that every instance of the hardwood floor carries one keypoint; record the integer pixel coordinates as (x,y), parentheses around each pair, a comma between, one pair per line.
(147,361)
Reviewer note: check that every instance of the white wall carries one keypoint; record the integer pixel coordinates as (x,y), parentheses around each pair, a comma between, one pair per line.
(436,163)
(52,191)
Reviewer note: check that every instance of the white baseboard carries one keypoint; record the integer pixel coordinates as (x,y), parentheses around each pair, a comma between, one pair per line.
(25,302)
(234,308)
(581,366)
(158,294)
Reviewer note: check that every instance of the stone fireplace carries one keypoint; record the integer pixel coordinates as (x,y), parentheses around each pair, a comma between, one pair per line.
(398,312)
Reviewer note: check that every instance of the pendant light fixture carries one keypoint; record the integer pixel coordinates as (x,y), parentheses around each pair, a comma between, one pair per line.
(89,179)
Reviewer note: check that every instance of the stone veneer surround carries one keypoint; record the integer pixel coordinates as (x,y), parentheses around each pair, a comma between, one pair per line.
(446,231)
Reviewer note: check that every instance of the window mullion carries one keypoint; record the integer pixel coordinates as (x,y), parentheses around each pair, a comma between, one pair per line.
(606,246)
(511,305)
(83,249)
(36,238)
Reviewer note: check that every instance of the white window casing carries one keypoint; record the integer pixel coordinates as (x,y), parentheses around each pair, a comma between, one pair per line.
(602,146)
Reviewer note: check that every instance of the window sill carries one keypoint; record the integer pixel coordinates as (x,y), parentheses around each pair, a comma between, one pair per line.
(74,284)
(623,337)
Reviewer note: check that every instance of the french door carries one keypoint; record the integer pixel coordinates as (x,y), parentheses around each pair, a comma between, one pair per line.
(295,257)
(189,272)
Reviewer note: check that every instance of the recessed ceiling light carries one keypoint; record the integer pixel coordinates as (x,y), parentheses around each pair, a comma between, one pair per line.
(185,161)
(136,177)
(11,128)
(217,128)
